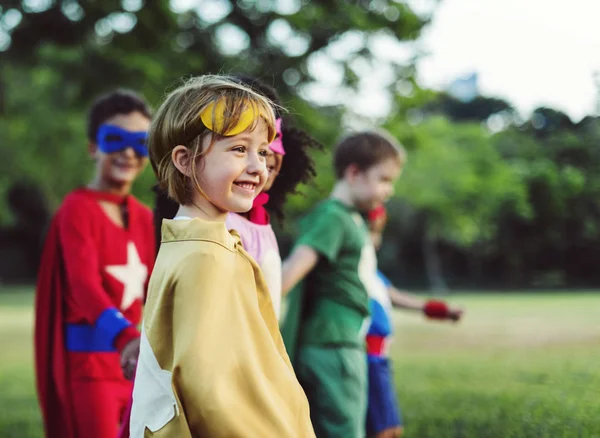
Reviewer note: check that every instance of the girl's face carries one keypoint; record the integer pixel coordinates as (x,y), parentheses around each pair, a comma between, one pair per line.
(274,162)
(233,172)
(121,168)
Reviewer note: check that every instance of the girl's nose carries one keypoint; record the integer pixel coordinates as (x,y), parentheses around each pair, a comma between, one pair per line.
(257,164)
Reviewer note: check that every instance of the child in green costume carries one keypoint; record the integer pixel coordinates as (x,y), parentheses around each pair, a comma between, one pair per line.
(327,313)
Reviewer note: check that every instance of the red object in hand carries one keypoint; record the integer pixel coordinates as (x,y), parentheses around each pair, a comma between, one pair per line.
(435,309)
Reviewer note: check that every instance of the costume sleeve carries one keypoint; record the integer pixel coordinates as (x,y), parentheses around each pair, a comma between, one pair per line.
(214,337)
(324,233)
(386,281)
(83,276)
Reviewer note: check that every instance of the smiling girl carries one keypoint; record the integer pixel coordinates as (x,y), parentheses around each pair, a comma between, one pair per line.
(288,164)
(212,362)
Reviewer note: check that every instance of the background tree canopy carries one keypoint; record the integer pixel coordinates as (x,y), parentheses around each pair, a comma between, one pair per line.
(486,200)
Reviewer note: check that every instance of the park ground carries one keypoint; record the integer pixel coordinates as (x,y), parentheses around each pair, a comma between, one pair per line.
(518,365)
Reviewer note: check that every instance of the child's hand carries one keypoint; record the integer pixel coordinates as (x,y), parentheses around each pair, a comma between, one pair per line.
(392,432)
(455,313)
(440,310)
(129,357)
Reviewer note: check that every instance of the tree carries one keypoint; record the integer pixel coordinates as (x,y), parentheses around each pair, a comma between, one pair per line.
(457,183)
(123,42)
(477,110)
(62,53)
(560,168)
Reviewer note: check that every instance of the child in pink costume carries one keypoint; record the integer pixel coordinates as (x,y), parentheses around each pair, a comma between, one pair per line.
(255,228)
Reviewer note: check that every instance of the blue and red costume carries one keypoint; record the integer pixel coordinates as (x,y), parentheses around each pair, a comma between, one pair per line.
(91,286)
(383,411)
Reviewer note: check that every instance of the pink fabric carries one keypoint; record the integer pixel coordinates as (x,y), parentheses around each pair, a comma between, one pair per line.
(260,242)
(258,213)
(277,144)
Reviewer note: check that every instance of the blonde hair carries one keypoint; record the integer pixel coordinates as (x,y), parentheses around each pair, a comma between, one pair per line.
(178,122)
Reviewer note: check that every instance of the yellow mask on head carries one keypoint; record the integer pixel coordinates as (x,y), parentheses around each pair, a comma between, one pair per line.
(216,112)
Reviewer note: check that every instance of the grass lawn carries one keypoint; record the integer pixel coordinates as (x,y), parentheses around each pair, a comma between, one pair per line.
(19,415)
(517,366)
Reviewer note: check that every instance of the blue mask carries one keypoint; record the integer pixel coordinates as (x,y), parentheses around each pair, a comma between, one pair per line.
(112,139)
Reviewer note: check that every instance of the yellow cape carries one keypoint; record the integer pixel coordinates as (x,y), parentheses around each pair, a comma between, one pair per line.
(212,361)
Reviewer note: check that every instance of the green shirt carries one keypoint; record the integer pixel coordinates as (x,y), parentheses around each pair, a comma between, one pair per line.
(337,304)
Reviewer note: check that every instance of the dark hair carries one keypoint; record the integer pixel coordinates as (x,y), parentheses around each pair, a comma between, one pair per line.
(365,150)
(112,104)
(164,208)
(298,167)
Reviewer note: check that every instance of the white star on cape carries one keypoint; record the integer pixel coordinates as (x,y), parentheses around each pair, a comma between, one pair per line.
(154,403)
(133,276)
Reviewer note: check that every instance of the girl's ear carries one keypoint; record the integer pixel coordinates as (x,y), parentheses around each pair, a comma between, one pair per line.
(182,159)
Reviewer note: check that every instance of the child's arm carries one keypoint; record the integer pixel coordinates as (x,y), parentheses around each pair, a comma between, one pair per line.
(405,300)
(323,237)
(433,309)
(297,266)
(83,276)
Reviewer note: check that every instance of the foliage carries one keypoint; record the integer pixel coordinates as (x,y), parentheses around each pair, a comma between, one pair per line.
(486,199)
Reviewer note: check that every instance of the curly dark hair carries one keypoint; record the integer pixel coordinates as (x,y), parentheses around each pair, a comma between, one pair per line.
(297,167)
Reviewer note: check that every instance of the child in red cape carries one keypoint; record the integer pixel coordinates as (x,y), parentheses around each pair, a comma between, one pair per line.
(97,258)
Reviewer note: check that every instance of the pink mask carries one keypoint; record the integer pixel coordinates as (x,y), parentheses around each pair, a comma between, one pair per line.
(277,144)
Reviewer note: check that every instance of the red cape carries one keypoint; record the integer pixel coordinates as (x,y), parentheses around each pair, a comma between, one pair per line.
(50,352)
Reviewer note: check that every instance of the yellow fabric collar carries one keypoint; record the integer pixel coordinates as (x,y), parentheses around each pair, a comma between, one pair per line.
(199,229)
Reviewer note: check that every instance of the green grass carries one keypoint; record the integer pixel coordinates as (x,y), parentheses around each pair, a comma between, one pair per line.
(19,413)
(517,366)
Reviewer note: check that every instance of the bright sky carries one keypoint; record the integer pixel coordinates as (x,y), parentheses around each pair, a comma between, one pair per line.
(530,52)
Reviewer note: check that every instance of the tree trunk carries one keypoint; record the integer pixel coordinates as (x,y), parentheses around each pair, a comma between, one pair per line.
(433,264)
(475,261)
